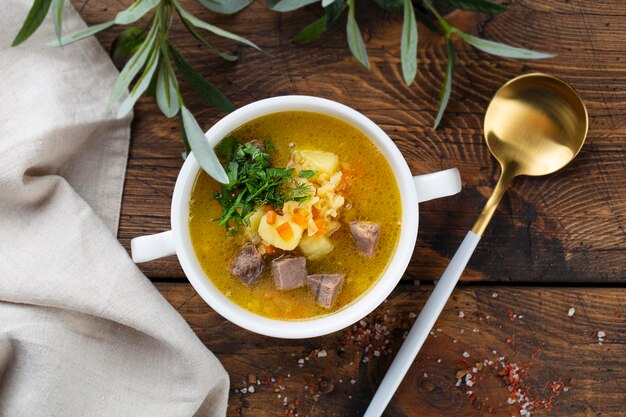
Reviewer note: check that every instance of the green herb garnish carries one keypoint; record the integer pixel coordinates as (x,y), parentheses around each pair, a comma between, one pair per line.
(254,182)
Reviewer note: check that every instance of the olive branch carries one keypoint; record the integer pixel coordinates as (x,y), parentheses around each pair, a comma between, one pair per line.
(154,57)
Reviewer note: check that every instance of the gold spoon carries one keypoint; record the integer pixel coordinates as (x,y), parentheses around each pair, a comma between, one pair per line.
(534,125)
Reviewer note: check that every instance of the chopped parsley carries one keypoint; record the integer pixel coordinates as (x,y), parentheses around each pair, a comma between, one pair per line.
(254,182)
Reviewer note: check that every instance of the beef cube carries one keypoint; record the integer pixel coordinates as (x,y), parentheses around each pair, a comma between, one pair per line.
(326,287)
(289,272)
(366,236)
(248,264)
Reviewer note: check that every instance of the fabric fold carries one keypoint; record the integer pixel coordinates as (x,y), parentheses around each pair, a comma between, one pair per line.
(82,331)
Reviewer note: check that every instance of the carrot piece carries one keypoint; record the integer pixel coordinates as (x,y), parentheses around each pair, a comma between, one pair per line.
(315,212)
(321,227)
(270,217)
(300,219)
(269,249)
(285,231)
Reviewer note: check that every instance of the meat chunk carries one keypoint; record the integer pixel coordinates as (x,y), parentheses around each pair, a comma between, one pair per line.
(366,236)
(326,287)
(248,264)
(289,272)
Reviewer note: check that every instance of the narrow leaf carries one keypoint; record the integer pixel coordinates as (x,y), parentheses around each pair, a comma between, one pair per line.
(202,86)
(198,35)
(500,49)
(427,21)
(408,44)
(202,150)
(312,31)
(134,65)
(479,6)
(140,86)
(392,6)
(447,84)
(355,40)
(35,16)
(211,28)
(135,12)
(57,17)
(225,6)
(184,135)
(289,5)
(81,34)
(334,10)
(166,92)
(326,3)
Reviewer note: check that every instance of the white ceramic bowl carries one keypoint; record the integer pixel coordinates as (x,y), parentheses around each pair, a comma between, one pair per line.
(412,189)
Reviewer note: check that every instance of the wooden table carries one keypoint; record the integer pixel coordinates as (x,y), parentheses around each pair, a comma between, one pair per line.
(555,244)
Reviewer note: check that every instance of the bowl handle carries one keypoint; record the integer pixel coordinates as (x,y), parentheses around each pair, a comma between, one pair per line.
(438,184)
(148,248)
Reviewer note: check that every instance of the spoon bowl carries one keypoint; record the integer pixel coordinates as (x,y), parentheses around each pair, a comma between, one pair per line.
(535,124)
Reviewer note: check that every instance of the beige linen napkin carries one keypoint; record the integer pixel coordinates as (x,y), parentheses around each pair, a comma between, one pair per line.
(82,331)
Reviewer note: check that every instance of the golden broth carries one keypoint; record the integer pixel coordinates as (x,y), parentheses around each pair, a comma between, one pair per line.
(374,197)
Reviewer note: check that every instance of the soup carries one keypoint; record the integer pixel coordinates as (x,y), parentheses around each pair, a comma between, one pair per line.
(316,254)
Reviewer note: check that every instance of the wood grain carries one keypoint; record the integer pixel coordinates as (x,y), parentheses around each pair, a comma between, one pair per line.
(566,227)
(529,326)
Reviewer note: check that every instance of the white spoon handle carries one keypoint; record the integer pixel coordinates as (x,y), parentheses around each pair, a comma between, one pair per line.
(424,323)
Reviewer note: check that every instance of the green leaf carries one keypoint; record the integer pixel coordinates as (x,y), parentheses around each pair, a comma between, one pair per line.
(334,10)
(197,35)
(288,5)
(57,17)
(35,16)
(500,49)
(134,65)
(408,44)
(141,85)
(135,12)
(202,86)
(81,34)
(393,6)
(211,28)
(166,91)
(479,6)
(447,84)
(355,40)
(307,174)
(312,31)
(225,6)
(125,44)
(427,21)
(184,135)
(201,148)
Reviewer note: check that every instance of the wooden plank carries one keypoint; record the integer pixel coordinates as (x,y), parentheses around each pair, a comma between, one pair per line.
(528,326)
(568,227)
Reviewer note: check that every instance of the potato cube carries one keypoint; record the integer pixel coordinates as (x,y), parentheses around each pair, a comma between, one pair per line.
(320,161)
(316,247)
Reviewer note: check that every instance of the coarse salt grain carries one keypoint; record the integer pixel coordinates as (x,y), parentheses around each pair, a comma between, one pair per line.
(322,354)
(244,390)
(412,315)
(353,381)
(601,334)
(466,355)
(571,311)
(494,295)
(438,360)
(461,314)
(251,389)
(300,360)
(425,375)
